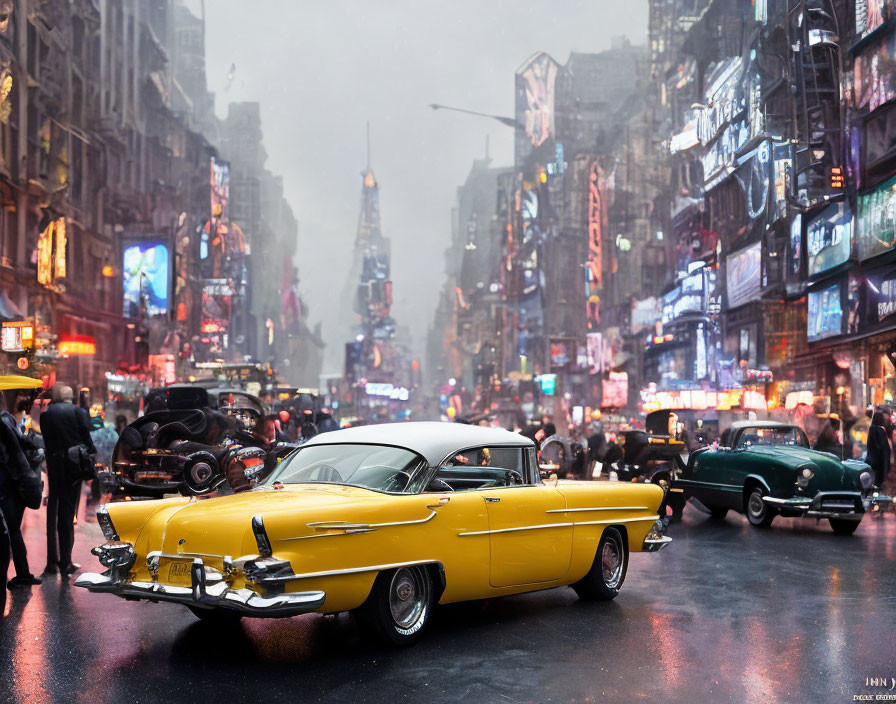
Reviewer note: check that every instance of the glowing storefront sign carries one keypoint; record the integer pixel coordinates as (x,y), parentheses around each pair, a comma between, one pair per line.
(17,336)
(77,345)
(51,247)
(394,393)
(701,400)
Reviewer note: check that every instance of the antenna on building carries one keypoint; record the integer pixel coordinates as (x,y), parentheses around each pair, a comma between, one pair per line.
(368,145)
(486,148)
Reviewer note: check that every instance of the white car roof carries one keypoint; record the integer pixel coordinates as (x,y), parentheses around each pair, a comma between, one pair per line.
(760,424)
(432,440)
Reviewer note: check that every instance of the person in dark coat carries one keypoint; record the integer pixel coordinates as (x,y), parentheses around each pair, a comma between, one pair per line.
(64,426)
(4,559)
(878,456)
(827,439)
(21,455)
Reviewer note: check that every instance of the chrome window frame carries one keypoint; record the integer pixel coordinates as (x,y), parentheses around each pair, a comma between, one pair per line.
(508,446)
(423,471)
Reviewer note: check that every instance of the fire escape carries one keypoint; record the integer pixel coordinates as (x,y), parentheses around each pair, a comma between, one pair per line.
(817,119)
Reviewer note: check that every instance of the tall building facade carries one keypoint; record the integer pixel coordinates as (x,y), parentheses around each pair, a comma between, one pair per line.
(121,261)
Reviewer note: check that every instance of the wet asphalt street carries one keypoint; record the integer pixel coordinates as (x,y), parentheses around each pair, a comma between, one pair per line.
(725,614)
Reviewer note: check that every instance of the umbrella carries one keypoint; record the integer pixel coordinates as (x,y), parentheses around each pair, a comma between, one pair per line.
(14,381)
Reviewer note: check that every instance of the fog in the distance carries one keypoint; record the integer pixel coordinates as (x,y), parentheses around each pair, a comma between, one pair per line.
(322,69)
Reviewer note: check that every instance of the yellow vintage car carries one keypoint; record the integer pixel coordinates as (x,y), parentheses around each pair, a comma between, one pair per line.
(386,521)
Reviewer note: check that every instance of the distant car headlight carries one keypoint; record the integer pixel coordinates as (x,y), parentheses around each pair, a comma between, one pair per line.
(865,480)
(805,474)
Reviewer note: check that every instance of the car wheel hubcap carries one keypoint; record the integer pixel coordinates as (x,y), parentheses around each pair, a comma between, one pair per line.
(611,563)
(200,472)
(757,505)
(408,598)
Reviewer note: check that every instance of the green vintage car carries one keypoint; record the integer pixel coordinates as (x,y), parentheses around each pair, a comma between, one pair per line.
(769,470)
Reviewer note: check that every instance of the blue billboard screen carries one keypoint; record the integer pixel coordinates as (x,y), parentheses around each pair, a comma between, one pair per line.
(145,275)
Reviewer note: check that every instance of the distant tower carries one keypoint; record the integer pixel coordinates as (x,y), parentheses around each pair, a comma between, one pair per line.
(367,292)
(369,232)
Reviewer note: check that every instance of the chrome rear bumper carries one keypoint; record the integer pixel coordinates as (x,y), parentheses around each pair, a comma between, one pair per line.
(216,595)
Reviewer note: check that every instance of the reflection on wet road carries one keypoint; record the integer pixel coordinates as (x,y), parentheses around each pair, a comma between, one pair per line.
(725,614)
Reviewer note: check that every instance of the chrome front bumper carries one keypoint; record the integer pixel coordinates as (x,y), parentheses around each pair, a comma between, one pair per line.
(848,505)
(655,540)
(203,595)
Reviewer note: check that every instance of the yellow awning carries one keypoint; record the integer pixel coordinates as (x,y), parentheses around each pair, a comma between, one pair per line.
(14,381)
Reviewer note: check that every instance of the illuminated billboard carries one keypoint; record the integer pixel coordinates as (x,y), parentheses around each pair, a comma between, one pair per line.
(825,317)
(829,238)
(216,303)
(535,97)
(873,81)
(219,181)
(871,14)
(145,277)
(744,275)
(593,270)
(214,240)
(876,221)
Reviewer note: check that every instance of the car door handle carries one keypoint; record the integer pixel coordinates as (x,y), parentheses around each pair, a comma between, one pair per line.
(492,499)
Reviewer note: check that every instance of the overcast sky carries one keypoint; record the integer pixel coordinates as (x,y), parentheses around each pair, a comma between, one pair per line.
(322,68)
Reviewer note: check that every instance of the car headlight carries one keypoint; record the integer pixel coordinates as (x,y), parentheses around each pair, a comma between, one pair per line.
(106,525)
(865,480)
(803,477)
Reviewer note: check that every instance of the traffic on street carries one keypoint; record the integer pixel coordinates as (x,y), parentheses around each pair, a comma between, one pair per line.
(725,613)
(428,352)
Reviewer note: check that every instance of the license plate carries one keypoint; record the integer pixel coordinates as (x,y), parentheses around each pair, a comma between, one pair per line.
(179,569)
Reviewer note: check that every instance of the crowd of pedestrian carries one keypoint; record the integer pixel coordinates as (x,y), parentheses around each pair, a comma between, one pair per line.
(55,442)
(584,452)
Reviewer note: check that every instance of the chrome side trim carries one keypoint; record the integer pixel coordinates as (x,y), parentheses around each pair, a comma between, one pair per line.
(349,570)
(350,528)
(404,523)
(607,521)
(514,530)
(694,482)
(598,508)
(183,555)
(617,520)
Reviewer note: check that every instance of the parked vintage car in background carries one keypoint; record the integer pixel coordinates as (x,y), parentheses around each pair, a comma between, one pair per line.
(385,521)
(188,438)
(769,470)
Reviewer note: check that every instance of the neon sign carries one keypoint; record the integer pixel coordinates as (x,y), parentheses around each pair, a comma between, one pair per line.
(593,270)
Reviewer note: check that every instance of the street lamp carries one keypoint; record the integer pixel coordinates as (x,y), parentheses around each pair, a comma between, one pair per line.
(508,121)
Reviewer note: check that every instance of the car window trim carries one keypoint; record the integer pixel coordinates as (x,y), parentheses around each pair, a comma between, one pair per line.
(512,446)
(423,471)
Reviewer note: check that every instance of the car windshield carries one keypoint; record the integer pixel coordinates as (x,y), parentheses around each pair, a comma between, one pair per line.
(772,437)
(378,467)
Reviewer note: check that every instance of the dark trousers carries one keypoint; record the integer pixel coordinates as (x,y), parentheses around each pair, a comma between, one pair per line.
(4,562)
(62,504)
(14,511)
